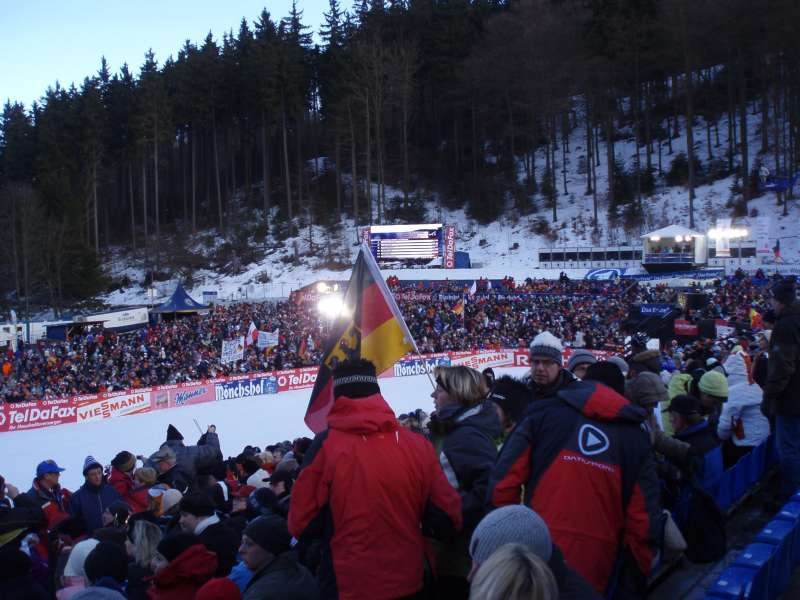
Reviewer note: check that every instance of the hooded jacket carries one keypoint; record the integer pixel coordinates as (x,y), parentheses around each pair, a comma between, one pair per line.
(583,461)
(367,484)
(184,575)
(783,375)
(741,420)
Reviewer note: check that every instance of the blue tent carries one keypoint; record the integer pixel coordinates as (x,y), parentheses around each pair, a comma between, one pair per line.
(180,302)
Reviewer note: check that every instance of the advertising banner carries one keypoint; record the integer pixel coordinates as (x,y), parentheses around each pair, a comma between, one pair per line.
(660,310)
(449,246)
(232,350)
(297,379)
(246,387)
(33,415)
(419,365)
(685,329)
(117,405)
(484,359)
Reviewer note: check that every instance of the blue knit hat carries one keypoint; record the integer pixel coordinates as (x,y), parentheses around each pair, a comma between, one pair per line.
(90,463)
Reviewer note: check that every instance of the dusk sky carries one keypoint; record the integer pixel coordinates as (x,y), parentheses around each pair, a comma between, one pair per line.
(44,41)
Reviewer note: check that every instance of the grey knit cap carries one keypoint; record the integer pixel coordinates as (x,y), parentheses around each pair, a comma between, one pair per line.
(580,357)
(546,345)
(646,389)
(508,525)
(620,362)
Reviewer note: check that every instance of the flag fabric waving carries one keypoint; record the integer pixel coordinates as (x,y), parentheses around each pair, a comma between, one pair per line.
(252,335)
(458,309)
(473,288)
(370,326)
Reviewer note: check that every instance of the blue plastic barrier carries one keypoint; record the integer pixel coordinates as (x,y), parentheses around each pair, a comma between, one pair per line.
(759,558)
(780,534)
(733,582)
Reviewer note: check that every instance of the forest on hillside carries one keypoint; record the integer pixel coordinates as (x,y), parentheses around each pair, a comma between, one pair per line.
(264,132)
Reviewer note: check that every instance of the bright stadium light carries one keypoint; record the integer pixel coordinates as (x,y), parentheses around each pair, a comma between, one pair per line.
(322,287)
(330,306)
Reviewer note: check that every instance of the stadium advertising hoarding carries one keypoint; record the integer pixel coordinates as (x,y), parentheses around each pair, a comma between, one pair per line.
(97,407)
(246,387)
(33,415)
(109,406)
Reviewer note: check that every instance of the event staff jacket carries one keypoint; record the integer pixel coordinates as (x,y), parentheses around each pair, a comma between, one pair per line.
(372,489)
(583,461)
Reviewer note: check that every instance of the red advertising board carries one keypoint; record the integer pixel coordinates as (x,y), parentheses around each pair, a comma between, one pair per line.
(449,246)
(684,328)
(297,379)
(33,415)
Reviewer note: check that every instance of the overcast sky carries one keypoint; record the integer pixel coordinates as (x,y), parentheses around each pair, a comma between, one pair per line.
(44,41)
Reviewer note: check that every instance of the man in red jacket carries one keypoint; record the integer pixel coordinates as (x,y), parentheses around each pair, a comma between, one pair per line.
(371,489)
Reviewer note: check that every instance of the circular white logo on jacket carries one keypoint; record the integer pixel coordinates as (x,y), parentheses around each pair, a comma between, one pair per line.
(592,441)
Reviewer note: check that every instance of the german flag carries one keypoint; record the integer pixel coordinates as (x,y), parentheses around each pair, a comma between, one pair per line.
(369,326)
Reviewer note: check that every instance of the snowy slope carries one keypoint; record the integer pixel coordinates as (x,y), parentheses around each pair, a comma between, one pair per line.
(257,421)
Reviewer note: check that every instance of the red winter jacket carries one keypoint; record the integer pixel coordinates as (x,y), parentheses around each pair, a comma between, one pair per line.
(133,495)
(586,466)
(384,489)
(184,575)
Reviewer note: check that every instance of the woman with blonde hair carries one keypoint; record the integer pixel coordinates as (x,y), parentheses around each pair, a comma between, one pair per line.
(465,429)
(143,538)
(513,572)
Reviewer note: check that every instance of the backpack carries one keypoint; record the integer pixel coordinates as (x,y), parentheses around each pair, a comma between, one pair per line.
(702,524)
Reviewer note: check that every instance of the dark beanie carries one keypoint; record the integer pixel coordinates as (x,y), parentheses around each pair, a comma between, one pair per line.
(106,559)
(607,373)
(124,461)
(174,545)
(355,379)
(784,290)
(173,433)
(198,504)
(511,395)
(270,533)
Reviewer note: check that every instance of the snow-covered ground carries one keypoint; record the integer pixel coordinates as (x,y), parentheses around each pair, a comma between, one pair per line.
(257,421)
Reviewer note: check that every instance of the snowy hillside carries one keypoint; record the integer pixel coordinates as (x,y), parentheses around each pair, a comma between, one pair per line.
(492,247)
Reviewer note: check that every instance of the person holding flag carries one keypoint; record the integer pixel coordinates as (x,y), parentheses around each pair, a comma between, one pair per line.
(366,486)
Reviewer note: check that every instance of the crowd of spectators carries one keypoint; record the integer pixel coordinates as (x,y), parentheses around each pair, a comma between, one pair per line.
(441,316)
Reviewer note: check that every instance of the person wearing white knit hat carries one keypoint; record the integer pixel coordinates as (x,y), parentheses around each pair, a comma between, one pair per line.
(547,373)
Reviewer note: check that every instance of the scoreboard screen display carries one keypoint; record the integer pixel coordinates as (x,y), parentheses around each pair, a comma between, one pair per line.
(406,242)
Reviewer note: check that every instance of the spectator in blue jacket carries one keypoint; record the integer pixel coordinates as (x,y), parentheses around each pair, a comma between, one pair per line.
(93,497)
